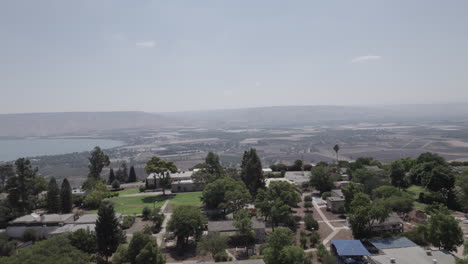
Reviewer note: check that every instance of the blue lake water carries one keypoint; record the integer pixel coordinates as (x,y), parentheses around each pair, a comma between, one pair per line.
(13,149)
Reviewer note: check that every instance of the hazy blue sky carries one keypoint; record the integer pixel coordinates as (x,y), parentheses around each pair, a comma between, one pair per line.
(103,55)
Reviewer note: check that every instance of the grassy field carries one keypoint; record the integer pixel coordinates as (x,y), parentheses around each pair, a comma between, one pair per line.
(135,204)
(191,198)
(129,191)
(414,190)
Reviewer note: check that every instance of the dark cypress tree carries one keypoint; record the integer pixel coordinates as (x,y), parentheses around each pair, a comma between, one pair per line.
(66,197)
(132,175)
(111,178)
(53,197)
(108,234)
(212,164)
(251,173)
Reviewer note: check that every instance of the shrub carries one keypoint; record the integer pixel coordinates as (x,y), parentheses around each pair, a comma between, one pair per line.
(310,222)
(308,198)
(30,234)
(325,195)
(146,213)
(115,184)
(128,221)
(93,199)
(142,188)
(314,238)
(7,248)
(303,240)
(157,217)
(222,257)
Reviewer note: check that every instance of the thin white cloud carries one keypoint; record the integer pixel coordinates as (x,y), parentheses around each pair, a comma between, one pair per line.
(366,58)
(146,44)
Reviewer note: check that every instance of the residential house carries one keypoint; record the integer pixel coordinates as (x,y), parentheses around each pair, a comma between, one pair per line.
(227,228)
(393,224)
(297,177)
(186,186)
(153,181)
(336,202)
(87,221)
(341,184)
(42,225)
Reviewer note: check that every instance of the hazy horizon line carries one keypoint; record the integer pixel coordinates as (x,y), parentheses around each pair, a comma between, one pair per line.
(241,108)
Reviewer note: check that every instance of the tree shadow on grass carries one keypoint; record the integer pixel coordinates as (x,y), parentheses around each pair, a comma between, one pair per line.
(158,198)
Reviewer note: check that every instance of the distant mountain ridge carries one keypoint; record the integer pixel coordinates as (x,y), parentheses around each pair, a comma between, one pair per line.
(57,124)
(82,123)
(303,115)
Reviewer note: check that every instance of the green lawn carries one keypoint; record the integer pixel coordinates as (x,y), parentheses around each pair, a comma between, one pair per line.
(191,198)
(415,190)
(129,191)
(135,204)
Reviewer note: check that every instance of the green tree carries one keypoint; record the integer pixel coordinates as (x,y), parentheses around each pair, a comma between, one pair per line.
(213,243)
(369,179)
(310,222)
(275,202)
(150,254)
(53,197)
(291,255)
(97,161)
(322,179)
(297,166)
(122,173)
(111,177)
(243,223)
(107,231)
(349,192)
(276,241)
(431,157)
(186,221)
(365,214)
(203,177)
(6,171)
(132,175)
(24,187)
(440,178)
(444,231)
(55,250)
(161,169)
(462,183)
(84,240)
(143,249)
(212,164)
(66,199)
(314,238)
(7,247)
(251,171)
(226,194)
(398,172)
(303,239)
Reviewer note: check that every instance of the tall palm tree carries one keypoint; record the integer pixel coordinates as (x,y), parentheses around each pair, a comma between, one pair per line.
(336,148)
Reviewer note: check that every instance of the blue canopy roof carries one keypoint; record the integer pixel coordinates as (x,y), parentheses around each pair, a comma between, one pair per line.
(350,248)
(400,242)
